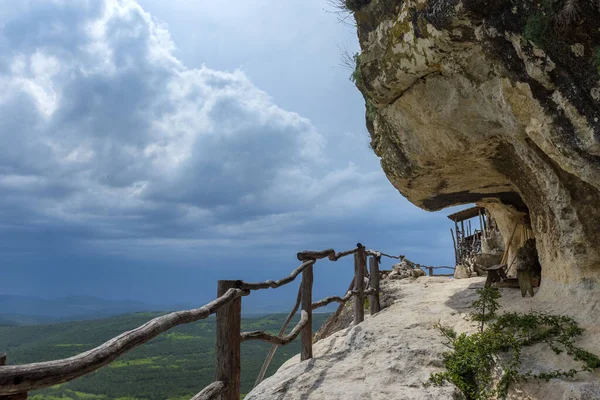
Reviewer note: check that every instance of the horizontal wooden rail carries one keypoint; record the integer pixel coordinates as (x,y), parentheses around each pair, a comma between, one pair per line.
(16,379)
(379,254)
(343,254)
(275,284)
(315,255)
(278,340)
(341,300)
(211,391)
(308,257)
(331,299)
(329,253)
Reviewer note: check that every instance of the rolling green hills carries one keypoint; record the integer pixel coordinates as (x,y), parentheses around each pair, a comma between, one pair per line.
(175,366)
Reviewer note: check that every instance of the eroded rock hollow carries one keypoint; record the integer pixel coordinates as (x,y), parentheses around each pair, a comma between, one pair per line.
(495,102)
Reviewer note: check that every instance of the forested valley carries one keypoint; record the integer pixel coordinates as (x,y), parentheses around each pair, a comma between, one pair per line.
(174,366)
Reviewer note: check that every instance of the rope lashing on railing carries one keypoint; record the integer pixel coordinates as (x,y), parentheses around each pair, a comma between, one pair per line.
(281,341)
(16,379)
(379,254)
(211,391)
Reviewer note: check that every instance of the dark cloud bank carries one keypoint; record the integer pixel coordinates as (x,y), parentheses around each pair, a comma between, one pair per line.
(124,173)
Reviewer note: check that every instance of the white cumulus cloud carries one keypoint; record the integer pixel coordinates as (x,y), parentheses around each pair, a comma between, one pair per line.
(105,133)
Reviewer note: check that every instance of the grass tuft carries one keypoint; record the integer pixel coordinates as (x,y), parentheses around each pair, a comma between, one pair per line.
(348,5)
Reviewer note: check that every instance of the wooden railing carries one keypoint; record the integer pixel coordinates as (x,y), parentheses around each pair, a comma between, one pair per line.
(17,380)
(429,269)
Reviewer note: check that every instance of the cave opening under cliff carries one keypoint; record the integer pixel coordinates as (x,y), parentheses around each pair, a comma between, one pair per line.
(497,240)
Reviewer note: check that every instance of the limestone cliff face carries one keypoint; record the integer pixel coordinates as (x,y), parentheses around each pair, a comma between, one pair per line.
(495,102)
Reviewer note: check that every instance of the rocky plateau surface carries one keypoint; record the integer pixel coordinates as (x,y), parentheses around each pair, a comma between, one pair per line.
(391,354)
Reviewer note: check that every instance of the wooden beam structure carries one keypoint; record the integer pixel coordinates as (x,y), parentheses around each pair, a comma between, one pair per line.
(18,396)
(229,318)
(211,392)
(374,284)
(306,339)
(360,262)
(463,215)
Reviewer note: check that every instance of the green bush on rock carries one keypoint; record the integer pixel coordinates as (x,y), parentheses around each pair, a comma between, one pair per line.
(472,359)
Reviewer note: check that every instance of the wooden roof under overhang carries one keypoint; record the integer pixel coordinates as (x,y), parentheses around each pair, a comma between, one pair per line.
(466,214)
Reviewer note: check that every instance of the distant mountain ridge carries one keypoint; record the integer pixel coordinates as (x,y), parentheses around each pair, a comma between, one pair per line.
(25,310)
(30,310)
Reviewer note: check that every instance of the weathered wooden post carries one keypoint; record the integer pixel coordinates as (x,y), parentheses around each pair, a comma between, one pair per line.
(456,258)
(307,336)
(430,271)
(360,264)
(228,343)
(374,283)
(20,396)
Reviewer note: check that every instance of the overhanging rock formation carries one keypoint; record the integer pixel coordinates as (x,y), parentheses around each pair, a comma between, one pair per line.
(495,102)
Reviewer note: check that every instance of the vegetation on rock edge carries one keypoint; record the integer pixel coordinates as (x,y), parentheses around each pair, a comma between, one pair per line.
(349,5)
(473,358)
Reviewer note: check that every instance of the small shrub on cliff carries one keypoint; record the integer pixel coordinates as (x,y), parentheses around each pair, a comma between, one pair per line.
(348,5)
(356,5)
(351,62)
(470,363)
(355,76)
(486,306)
(536,29)
(552,16)
(371,110)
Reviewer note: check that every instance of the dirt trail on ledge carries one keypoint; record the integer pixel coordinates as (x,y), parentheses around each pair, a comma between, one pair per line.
(390,355)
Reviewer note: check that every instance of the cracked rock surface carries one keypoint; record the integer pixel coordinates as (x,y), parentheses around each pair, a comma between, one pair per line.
(495,102)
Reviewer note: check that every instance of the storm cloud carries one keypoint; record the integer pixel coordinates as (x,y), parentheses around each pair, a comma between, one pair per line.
(109,144)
